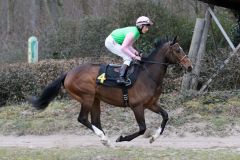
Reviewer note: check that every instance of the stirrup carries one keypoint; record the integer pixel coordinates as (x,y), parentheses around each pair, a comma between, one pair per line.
(121,81)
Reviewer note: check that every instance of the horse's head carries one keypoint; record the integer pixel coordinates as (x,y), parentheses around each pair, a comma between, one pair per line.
(177,55)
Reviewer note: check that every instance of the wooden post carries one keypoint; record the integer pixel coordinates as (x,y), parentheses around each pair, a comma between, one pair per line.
(201,51)
(197,34)
(221,29)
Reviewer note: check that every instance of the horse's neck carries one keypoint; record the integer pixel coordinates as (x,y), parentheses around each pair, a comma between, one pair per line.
(158,71)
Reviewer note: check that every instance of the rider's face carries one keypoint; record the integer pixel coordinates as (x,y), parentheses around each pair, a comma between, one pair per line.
(145,29)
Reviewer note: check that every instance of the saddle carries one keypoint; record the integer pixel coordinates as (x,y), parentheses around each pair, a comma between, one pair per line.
(108,75)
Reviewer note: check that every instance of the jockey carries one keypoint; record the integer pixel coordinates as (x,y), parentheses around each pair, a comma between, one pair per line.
(120,42)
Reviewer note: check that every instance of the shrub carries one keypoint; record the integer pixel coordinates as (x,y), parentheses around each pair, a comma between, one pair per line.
(21,79)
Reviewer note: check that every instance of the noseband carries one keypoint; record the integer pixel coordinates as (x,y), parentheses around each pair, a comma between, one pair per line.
(180,61)
(182,58)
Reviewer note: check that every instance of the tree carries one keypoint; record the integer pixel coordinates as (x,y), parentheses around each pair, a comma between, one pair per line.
(34,10)
(10,17)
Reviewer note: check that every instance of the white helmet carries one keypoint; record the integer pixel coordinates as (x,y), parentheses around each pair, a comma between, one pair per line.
(143,20)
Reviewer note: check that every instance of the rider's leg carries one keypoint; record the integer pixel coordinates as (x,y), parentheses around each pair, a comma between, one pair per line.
(115,48)
(122,73)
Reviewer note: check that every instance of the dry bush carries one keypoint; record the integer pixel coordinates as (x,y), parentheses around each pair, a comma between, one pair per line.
(228,78)
(22,79)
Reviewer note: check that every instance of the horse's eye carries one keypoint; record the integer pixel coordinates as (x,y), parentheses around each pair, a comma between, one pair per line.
(178,50)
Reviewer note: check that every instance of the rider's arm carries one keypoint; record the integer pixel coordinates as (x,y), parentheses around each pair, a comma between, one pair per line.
(127,45)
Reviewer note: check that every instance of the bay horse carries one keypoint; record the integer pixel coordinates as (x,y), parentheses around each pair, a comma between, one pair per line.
(80,83)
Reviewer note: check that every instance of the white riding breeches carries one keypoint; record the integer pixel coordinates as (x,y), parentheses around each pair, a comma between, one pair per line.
(115,48)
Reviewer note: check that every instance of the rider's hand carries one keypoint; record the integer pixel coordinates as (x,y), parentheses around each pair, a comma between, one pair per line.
(137,53)
(137,58)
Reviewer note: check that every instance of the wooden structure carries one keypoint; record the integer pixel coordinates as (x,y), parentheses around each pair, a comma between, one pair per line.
(231,4)
(198,44)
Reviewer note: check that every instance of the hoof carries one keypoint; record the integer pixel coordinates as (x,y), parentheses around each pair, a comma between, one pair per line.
(106,143)
(151,140)
(119,139)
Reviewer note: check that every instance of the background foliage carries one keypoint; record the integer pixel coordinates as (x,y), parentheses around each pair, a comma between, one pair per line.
(68,29)
(77,28)
(20,80)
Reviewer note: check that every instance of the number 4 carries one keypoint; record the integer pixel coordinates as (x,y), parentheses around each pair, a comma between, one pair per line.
(102,78)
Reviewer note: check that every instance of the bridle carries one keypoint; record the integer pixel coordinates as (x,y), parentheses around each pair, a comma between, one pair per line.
(182,59)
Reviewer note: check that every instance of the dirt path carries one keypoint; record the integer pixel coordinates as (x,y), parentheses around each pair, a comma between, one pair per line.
(68,141)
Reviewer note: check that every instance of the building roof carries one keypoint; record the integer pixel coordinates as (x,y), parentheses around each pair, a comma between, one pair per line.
(231,4)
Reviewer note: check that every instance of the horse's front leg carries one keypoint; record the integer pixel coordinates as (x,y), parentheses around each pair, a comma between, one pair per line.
(139,116)
(157,109)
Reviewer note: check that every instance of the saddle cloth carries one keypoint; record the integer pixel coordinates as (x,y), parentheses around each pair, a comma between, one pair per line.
(108,75)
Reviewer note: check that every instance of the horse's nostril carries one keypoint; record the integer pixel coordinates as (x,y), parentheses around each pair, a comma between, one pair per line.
(189,69)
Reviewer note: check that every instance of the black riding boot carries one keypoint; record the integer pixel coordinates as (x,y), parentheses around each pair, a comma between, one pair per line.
(121,79)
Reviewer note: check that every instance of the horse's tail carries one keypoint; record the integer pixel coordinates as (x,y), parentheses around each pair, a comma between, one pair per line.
(48,93)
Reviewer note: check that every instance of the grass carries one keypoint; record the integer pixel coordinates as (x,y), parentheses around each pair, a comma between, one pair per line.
(116,154)
(208,115)
(217,111)
(22,119)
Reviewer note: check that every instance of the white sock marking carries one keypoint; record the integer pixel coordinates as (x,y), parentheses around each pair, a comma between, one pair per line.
(157,133)
(100,134)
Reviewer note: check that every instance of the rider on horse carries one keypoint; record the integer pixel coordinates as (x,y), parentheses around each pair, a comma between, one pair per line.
(120,42)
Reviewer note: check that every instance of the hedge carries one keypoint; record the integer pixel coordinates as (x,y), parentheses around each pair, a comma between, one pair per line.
(21,79)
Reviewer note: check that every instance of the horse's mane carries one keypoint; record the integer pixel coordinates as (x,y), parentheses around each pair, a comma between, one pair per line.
(158,45)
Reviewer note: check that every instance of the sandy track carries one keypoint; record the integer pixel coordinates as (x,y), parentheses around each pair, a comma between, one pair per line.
(68,141)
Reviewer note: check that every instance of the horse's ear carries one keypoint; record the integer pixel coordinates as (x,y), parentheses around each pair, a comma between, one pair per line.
(174,40)
(155,44)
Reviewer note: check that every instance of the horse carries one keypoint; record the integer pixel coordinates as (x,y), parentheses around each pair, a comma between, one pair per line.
(80,83)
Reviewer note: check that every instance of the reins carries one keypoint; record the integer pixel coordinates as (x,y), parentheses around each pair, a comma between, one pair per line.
(154,62)
(160,63)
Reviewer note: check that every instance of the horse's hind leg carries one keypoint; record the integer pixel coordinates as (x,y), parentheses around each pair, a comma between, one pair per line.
(95,114)
(83,118)
(157,109)
(96,123)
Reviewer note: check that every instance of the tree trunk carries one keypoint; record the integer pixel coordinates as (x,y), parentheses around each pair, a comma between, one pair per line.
(85,7)
(10,17)
(53,8)
(34,14)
